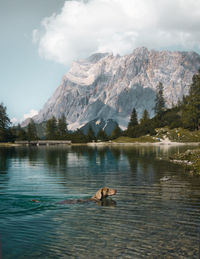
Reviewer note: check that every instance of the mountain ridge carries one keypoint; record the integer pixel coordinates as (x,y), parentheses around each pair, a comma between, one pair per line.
(105,86)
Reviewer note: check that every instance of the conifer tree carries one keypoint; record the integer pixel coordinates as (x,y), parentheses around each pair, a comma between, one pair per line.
(31,131)
(146,125)
(90,134)
(133,124)
(20,133)
(62,127)
(116,133)
(51,129)
(133,120)
(145,117)
(159,100)
(4,122)
(101,135)
(77,136)
(191,105)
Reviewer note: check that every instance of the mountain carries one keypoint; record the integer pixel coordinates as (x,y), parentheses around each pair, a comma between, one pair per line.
(105,86)
(97,124)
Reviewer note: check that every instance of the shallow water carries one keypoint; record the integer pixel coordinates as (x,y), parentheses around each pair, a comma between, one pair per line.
(146,219)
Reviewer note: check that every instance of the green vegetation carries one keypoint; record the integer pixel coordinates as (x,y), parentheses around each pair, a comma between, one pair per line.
(179,120)
(117,132)
(142,139)
(5,131)
(31,131)
(102,135)
(174,135)
(191,105)
(19,133)
(135,130)
(62,127)
(90,135)
(51,129)
(133,120)
(180,123)
(190,160)
(159,101)
(77,137)
(178,135)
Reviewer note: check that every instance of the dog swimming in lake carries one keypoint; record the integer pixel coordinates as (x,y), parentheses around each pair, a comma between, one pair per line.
(99,198)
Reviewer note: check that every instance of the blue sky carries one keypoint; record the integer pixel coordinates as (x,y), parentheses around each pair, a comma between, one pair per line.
(27,80)
(41,38)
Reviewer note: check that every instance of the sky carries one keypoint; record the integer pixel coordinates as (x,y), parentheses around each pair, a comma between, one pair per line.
(41,38)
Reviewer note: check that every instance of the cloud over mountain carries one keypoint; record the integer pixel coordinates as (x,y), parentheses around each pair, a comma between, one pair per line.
(85,27)
(28,115)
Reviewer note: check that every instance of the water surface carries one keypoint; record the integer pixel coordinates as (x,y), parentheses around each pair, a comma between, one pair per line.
(146,219)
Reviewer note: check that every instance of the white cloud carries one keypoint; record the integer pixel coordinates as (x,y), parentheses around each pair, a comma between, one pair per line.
(14,121)
(119,26)
(30,114)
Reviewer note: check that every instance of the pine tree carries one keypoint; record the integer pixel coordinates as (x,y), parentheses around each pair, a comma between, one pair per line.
(116,133)
(145,117)
(77,136)
(131,130)
(146,125)
(62,127)
(51,129)
(159,100)
(20,133)
(90,134)
(133,120)
(102,135)
(31,131)
(191,105)
(4,123)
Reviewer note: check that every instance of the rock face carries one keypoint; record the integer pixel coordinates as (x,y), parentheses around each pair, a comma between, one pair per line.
(109,87)
(97,124)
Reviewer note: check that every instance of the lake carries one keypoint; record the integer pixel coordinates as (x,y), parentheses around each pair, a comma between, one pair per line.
(147,218)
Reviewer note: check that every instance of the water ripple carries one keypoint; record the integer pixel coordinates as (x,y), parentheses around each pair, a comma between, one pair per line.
(149,219)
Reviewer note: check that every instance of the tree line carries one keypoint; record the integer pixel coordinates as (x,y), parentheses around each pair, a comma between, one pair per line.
(185,114)
(54,130)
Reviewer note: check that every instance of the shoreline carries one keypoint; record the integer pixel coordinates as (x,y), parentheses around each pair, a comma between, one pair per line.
(189,160)
(144,144)
(9,144)
(112,143)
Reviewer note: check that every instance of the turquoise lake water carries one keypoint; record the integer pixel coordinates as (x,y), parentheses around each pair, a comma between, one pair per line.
(147,218)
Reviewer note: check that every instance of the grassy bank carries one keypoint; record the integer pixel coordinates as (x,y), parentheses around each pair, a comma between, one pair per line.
(173,135)
(143,139)
(178,135)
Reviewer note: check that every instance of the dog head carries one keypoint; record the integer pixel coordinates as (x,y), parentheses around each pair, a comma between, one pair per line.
(103,193)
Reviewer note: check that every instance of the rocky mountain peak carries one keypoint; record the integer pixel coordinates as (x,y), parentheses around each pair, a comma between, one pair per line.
(108,87)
